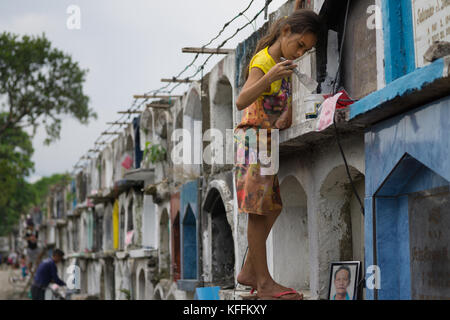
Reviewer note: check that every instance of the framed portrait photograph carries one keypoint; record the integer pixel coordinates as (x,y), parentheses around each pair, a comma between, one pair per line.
(344,279)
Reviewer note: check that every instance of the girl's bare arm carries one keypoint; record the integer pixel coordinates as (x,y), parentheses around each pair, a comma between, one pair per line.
(258,82)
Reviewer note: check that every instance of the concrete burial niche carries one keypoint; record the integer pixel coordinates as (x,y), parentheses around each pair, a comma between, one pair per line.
(192,118)
(174,141)
(99,213)
(290,237)
(221,112)
(146,127)
(412,224)
(133,281)
(108,274)
(429,223)
(162,124)
(122,215)
(149,223)
(81,187)
(84,275)
(120,281)
(90,230)
(96,175)
(75,234)
(341,222)
(130,214)
(407,179)
(175,235)
(128,152)
(189,245)
(164,243)
(189,207)
(140,286)
(159,294)
(73,189)
(222,102)
(102,294)
(106,169)
(221,257)
(108,228)
(176,259)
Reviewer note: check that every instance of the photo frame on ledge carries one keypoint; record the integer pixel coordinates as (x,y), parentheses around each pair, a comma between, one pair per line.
(344,279)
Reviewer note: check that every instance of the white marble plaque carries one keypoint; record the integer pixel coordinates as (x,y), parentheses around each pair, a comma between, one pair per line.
(431,21)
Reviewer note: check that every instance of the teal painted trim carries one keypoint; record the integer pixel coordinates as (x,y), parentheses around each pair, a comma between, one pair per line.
(398,38)
(408,36)
(404,85)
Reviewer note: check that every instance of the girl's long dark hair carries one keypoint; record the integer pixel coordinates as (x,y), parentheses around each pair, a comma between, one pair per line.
(300,21)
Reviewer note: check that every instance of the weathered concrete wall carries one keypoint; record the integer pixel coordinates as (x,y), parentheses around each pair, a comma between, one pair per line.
(149,223)
(192,140)
(359,60)
(221,101)
(123,278)
(328,199)
(218,258)
(164,241)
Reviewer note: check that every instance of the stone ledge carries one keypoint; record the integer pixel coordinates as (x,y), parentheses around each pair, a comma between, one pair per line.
(121,255)
(82,255)
(187,284)
(304,135)
(143,253)
(417,88)
(61,222)
(140,174)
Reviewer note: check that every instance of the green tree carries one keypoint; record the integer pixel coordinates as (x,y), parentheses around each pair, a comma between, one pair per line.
(38,85)
(41,187)
(15,164)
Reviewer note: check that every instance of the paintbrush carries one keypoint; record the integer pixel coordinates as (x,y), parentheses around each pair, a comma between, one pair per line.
(309,83)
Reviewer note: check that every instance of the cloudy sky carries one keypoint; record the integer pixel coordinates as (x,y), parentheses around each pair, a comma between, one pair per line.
(127,46)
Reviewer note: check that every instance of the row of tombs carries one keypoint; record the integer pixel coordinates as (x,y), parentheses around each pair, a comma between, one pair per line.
(153,214)
(126,244)
(143,229)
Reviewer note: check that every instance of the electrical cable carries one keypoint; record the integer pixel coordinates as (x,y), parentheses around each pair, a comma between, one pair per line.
(334,118)
(232,36)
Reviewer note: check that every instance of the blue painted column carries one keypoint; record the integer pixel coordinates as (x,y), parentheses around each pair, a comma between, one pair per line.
(189,245)
(189,215)
(398,38)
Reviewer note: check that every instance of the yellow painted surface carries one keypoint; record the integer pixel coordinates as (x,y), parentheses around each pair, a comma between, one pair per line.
(116,225)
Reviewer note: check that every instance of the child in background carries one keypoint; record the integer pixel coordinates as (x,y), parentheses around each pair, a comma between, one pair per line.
(23,266)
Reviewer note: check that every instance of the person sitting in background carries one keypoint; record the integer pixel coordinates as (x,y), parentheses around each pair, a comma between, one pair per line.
(45,273)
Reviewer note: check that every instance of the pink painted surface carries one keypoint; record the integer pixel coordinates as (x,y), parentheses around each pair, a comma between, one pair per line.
(129,237)
(327,112)
(127,162)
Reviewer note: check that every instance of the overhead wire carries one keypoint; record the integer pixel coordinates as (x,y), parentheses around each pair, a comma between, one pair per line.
(135,107)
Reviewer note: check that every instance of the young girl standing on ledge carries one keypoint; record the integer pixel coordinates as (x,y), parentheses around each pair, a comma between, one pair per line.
(266,99)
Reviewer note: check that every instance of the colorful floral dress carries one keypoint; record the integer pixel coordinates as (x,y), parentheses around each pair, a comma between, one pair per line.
(256,193)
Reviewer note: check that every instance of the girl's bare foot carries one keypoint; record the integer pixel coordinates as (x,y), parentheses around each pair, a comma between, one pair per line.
(247,275)
(246,278)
